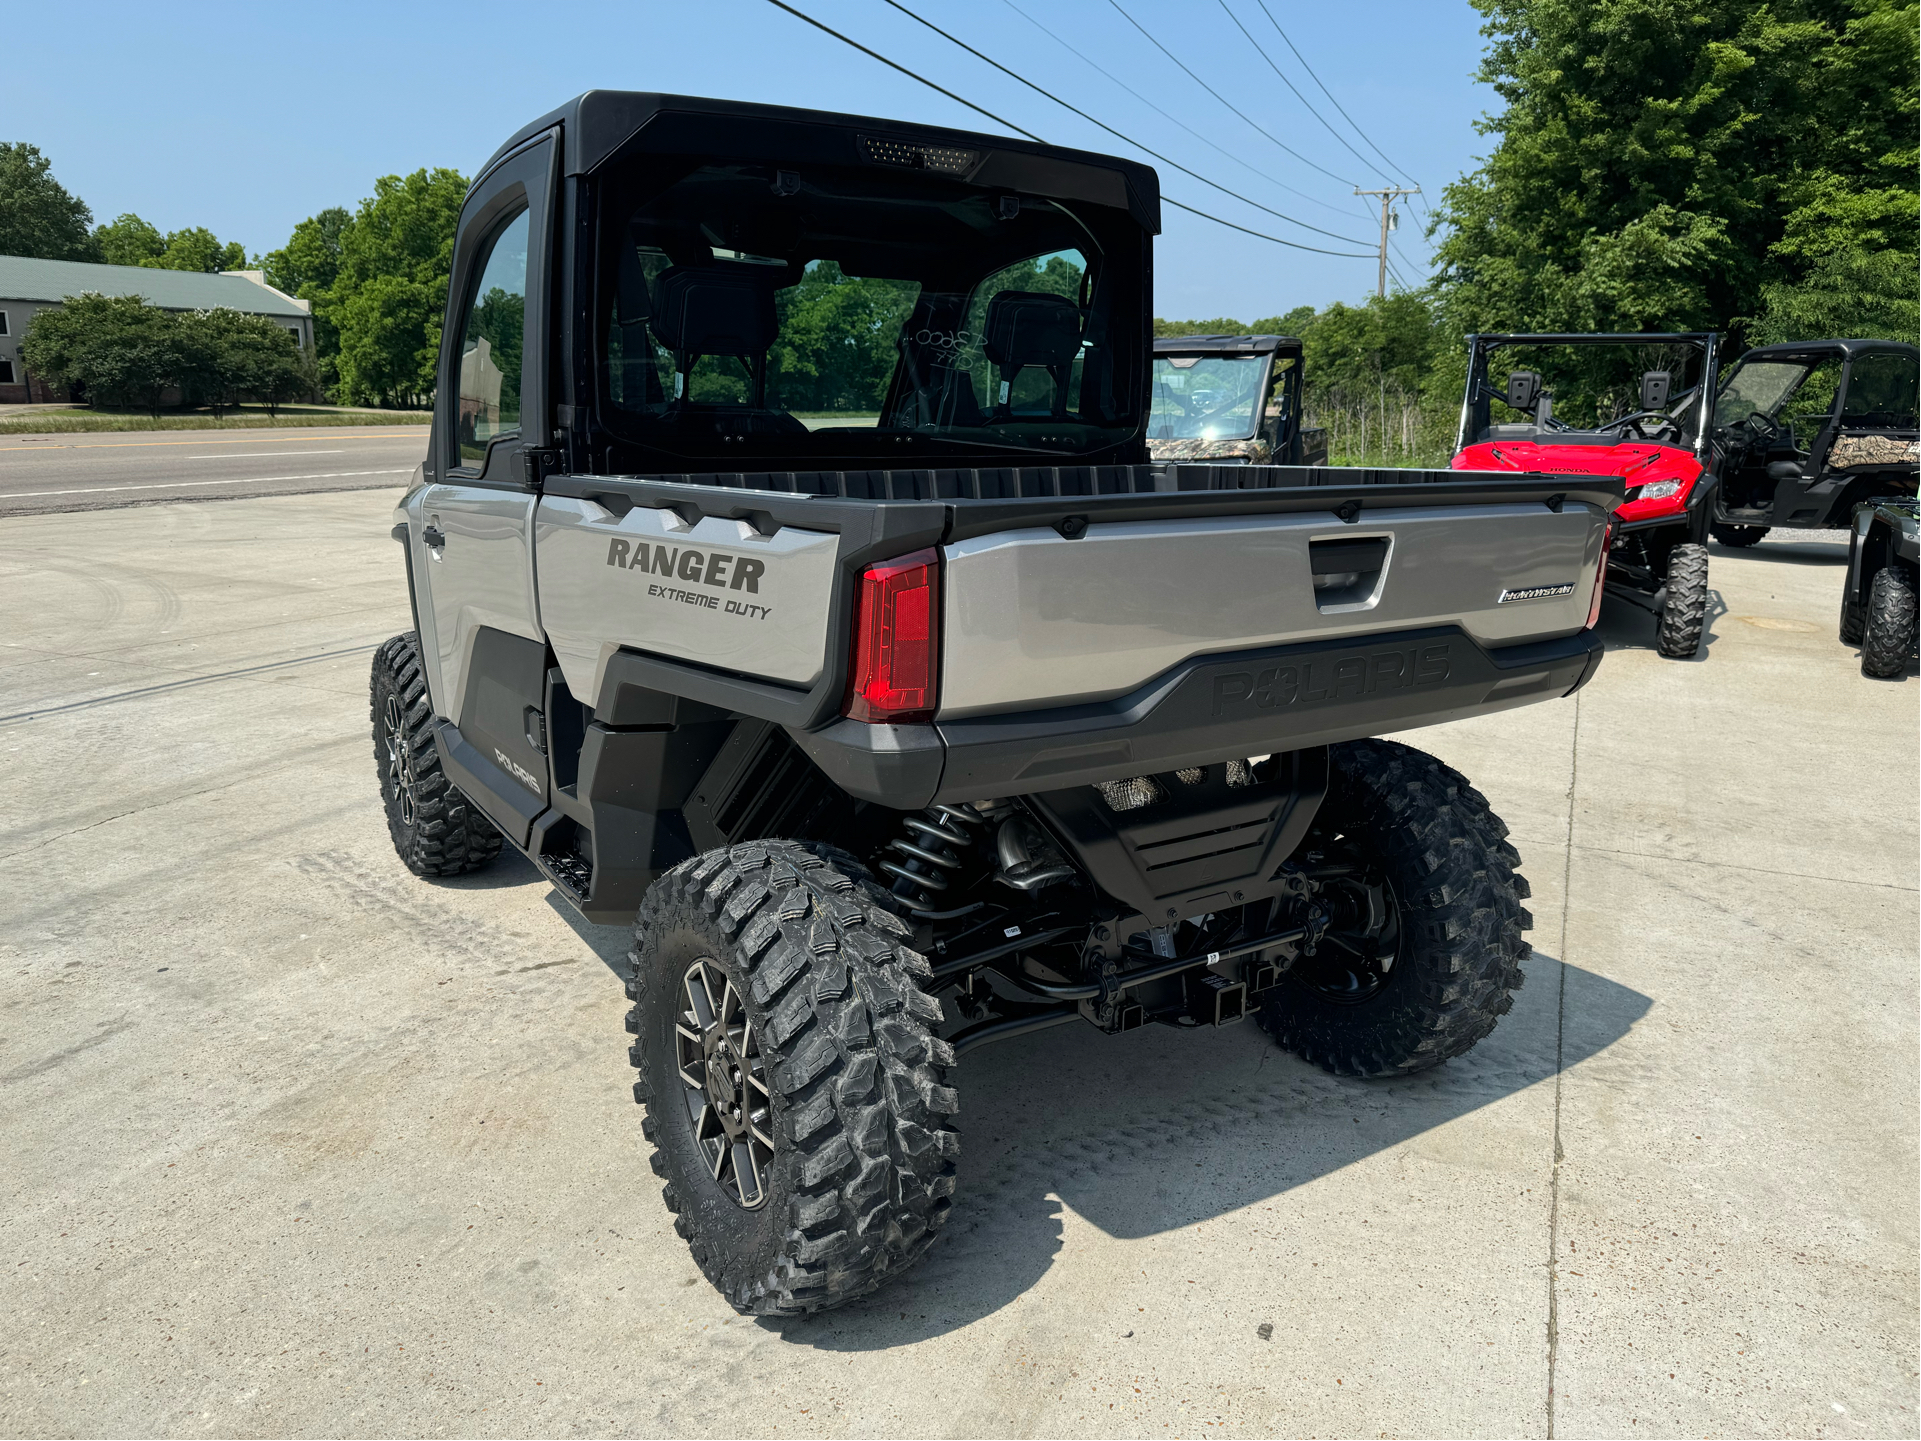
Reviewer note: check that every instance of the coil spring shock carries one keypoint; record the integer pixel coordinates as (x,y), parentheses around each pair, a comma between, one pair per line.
(938,835)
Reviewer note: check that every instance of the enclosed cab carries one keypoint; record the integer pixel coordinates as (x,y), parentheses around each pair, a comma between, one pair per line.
(1231,399)
(792,582)
(1808,431)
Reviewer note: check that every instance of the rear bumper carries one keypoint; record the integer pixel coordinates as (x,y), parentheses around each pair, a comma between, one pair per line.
(1209,709)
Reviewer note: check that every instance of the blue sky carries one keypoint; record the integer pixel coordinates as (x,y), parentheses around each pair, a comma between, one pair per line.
(249,122)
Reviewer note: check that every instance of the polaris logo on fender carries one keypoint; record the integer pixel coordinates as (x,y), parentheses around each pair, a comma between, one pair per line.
(1536,592)
(696,567)
(518,771)
(1319,678)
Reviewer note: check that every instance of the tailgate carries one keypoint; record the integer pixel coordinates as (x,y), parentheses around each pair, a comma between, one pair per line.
(1035,619)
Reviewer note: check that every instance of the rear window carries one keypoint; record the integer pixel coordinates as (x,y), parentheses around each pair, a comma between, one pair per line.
(1881,392)
(830,314)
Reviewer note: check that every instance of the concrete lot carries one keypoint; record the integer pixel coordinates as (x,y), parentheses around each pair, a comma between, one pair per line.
(43,473)
(296,1143)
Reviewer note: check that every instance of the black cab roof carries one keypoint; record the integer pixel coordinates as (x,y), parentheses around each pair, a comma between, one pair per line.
(1226,344)
(599,124)
(1849,348)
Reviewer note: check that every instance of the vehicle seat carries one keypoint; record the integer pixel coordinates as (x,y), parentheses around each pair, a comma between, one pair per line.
(1027,328)
(720,309)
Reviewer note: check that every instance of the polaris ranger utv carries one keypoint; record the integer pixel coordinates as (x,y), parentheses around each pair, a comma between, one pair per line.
(1643,425)
(1230,399)
(791,583)
(1807,432)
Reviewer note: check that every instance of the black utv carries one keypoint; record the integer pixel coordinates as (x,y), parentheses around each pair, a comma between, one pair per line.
(1878,603)
(1809,430)
(792,583)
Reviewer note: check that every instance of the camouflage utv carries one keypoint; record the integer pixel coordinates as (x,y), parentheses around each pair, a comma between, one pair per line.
(1225,399)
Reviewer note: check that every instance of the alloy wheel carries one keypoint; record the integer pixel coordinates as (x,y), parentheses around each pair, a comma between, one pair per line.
(724,1080)
(400,758)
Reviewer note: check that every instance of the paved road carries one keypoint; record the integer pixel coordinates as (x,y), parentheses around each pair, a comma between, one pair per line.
(99,472)
(296,1143)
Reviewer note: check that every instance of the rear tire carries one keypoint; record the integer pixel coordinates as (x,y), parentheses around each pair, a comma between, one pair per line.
(837,1171)
(1459,949)
(1684,614)
(436,830)
(1888,632)
(1738,537)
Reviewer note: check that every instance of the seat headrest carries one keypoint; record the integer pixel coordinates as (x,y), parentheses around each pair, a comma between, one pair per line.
(715,309)
(1028,328)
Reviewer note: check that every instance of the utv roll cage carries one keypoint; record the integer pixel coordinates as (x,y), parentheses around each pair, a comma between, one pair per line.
(1476,419)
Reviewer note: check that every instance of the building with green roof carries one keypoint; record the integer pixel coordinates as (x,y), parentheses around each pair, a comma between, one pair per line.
(28,286)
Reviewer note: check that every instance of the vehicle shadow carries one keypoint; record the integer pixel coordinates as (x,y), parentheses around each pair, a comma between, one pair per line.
(1626,626)
(1788,552)
(1160,1129)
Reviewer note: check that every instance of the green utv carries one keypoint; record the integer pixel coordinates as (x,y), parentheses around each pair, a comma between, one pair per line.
(792,583)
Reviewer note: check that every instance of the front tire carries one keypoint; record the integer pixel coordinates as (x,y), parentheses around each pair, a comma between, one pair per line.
(1853,615)
(1684,614)
(1888,630)
(797,1098)
(1451,933)
(1737,537)
(436,830)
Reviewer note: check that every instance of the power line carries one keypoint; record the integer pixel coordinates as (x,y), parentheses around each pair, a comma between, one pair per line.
(1290,85)
(1126,139)
(1330,94)
(1294,245)
(1403,254)
(1262,235)
(1174,119)
(1223,99)
(845,40)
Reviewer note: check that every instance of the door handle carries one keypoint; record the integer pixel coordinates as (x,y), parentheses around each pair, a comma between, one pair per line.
(433,536)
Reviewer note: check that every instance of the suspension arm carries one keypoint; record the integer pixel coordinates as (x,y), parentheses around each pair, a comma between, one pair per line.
(994,953)
(1157,972)
(992,1031)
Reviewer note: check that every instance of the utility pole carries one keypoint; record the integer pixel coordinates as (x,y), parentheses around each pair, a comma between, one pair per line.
(1388,197)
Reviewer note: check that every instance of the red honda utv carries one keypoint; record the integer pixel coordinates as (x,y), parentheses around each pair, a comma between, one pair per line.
(1630,406)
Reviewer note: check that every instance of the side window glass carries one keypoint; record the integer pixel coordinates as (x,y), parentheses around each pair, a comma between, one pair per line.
(490,343)
(1881,392)
(1812,403)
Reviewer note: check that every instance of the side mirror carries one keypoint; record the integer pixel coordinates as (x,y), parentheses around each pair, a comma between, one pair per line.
(1523,388)
(1654,389)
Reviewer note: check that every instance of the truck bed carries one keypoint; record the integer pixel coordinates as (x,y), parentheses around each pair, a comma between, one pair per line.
(1097,621)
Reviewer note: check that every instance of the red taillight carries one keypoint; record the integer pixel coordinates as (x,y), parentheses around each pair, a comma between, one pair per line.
(1600,576)
(896,662)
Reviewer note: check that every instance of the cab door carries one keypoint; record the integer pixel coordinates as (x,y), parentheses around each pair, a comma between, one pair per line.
(473,523)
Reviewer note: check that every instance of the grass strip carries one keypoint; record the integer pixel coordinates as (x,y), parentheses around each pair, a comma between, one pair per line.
(79,422)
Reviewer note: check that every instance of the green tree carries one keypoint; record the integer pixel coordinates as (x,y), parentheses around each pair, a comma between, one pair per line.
(128,240)
(230,354)
(836,345)
(198,249)
(306,267)
(390,290)
(1661,166)
(121,350)
(38,218)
